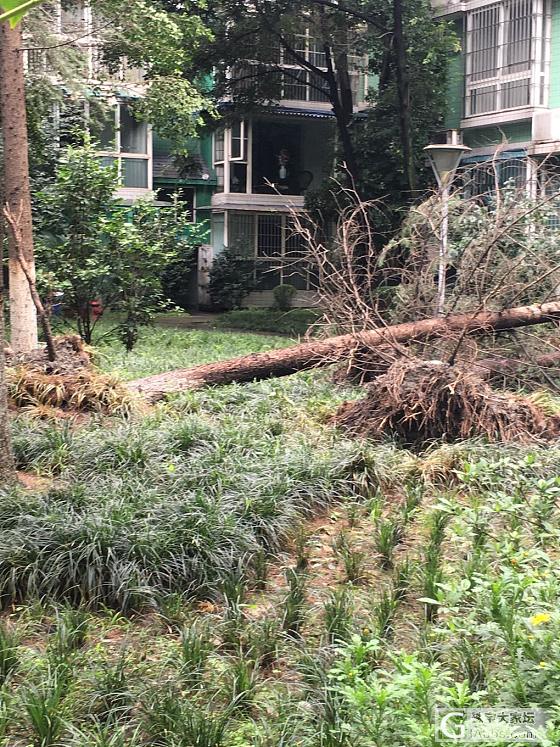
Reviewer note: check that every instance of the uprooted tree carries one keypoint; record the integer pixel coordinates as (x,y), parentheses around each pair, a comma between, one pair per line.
(338,349)
(503,276)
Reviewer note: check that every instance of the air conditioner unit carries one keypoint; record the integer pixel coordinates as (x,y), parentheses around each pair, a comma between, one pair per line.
(546,125)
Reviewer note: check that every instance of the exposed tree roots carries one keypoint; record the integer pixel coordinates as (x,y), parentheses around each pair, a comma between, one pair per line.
(419,401)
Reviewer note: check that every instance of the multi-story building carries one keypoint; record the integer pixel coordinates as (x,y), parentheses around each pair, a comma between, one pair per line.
(265,165)
(504,88)
(245,179)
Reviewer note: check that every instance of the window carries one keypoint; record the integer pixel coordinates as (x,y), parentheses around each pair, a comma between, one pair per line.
(303,85)
(277,249)
(480,179)
(231,148)
(122,138)
(505,61)
(294,82)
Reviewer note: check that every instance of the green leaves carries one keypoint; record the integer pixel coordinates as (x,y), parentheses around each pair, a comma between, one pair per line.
(16,9)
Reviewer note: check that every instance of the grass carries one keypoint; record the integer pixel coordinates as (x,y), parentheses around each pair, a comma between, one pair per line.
(162,349)
(228,570)
(294,322)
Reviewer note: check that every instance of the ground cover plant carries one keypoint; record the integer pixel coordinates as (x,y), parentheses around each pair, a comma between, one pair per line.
(229,569)
(288,322)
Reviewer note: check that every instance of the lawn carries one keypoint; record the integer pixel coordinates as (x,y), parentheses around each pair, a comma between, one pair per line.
(227,570)
(295,322)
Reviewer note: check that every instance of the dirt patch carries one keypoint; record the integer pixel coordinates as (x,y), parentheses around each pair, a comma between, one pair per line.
(421,401)
(71,356)
(35,483)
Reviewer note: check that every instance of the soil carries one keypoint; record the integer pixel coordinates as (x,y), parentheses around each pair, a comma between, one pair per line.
(71,356)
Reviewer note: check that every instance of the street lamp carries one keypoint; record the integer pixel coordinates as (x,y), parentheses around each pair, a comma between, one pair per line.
(444,160)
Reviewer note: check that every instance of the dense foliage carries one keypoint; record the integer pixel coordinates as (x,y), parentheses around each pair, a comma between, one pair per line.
(91,248)
(232,277)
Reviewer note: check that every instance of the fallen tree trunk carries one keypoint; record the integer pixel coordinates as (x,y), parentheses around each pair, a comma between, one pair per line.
(490,368)
(325,352)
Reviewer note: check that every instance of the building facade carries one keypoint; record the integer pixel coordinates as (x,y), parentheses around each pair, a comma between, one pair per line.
(264,167)
(504,85)
(245,179)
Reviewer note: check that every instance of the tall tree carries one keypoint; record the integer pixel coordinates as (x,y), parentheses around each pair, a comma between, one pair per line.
(17,198)
(6,457)
(14,10)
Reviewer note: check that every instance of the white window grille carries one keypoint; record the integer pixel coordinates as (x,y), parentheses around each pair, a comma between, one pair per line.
(276,248)
(505,55)
(302,85)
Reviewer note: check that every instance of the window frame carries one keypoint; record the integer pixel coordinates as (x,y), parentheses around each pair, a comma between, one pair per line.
(536,73)
(245,157)
(312,55)
(121,156)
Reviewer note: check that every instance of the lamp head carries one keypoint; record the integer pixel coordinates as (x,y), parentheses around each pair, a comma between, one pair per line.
(444,160)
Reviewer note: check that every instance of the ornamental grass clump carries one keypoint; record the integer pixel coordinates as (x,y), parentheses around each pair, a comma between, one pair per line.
(163,506)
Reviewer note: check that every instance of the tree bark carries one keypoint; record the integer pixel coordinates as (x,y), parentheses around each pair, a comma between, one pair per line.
(490,368)
(7,468)
(325,352)
(43,317)
(23,316)
(403,91)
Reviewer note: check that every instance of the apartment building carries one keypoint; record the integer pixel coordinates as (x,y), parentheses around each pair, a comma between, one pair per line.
(504,88)
(245,178)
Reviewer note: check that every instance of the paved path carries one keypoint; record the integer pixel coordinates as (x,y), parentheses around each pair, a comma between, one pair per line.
(187,321)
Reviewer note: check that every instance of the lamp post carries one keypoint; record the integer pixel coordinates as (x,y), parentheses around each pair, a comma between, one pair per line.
(444,160)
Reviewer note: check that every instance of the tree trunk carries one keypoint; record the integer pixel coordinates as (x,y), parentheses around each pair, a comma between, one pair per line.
(43,316)
(491,368)
(403,91)
(340,95)
(7,469)
(325,352)
(23,316)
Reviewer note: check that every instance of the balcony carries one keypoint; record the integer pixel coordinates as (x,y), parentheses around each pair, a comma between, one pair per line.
(272,162)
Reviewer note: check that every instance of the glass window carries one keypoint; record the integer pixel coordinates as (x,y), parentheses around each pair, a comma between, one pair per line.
(219,178)
(237,140)
(135,173)
(103,128)
(134,134)
(219,146)
(501,51)
(518,35)
(237,177)
(108,161)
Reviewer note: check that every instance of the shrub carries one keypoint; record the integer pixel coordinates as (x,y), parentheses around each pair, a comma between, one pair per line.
(283,296)
(231,279)
(94,248)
